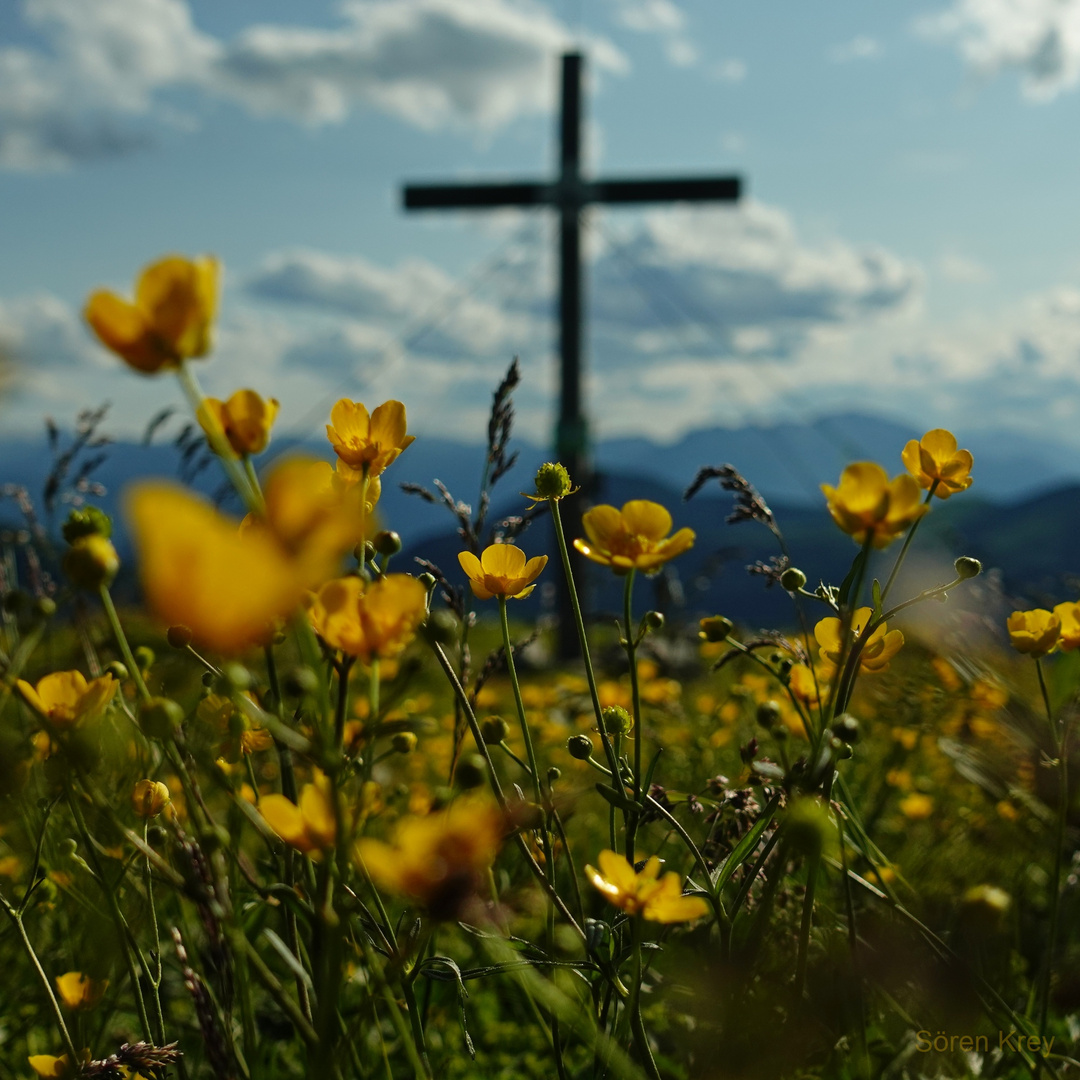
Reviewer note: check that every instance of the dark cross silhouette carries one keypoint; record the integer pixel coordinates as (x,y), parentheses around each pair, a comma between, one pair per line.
(569,194)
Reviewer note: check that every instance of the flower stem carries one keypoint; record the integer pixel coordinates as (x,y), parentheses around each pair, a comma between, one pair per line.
(635,706)
(511,668)
(641,1038)
(122,641)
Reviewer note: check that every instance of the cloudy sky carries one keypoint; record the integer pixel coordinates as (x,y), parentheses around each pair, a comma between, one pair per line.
(909,245)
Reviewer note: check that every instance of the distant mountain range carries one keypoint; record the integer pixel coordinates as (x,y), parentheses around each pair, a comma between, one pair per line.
(1022,515)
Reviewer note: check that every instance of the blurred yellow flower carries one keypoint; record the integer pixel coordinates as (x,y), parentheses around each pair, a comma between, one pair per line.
(310,828)
(659,899)
(170,320)
(935,457)
(437,860)
(635,537)
(65,698)
(878,649)
(1069,616)
(244,421)
(804,685)
(372,441)
(369,621)
(501,571)
(79,991)
(1034,632)
(866,504)
(314,514)
(198,570)
(916,806)
(149,798)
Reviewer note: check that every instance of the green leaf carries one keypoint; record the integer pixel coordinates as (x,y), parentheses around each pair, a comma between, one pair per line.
(619,800)
(876,593)
(857,567)
(746,845)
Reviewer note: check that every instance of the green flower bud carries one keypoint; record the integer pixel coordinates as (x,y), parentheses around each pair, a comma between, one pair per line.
(118,671)
(86,521)
(300,681)
(715,628)
(792,579)
(404,742)
(653,620)
(45,606)
(364,551)
(160,718)
(179,636)
(768,714)
(387,542)
(846,729)
(617,721)
(144,657)
(809,827)
(442,626)
(580,747)
(553,775)
(91,562)
(67,847)
(427,580)
(552,481)
(967,567)
(236,677)
(494,730)
(471,771)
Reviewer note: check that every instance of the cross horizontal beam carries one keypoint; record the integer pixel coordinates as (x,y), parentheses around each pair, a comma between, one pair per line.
(524,193)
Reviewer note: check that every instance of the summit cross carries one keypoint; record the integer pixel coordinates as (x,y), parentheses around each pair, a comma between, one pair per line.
(569,193)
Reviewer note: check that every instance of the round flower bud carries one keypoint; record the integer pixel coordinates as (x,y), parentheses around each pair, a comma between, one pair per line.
(68,847)
(208,679)
(617,721)
(580,747)
(552,481)
(387,542)
(715,628)
(442,626)
(554,774)
(768,714)
(236,676)
(471,771)
(364,551)
(808,826)
(45,606)
(144,657)
(118,671)
(654,620)
(427,580)
(494,730)
(149,798)
(160,717)
(179,636)
(86,521)
(404,742)
(792,579)
(91,562)
(846,729)
(300,681)
(967,567)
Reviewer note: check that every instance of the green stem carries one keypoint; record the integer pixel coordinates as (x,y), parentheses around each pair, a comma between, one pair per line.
(907,543)
(122,641)
(635,705)
(153,977)
(641,1038)
(534,769)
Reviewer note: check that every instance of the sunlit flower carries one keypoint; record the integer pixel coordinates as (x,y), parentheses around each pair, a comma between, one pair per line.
(310,828)
(65,698)
(501,571)
(314,514)
(867,504)
(149,798)
(935,457)
(635,537)
(238,736)
(369,621)
(244,421)
(917,806)
(1034,632)
(1069,615)
(878,649)
(805,685)
(437,860)
(644,893)
(49,1067)
(79,991)
(367,441)
(198,570)
(170,320)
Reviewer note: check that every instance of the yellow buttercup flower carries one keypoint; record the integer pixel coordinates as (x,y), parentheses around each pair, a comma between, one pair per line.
(79,991)
(1069,616)
(878,649)
(244,421)
(935,459)
(437,860)
(149,798)
(199,570)
(369,621)
(50,1067)
(867,504)
(65,698)
(501,571)
(310,828)
(659,899)
(1034,632)
(372,442)
(170,320)
(635,537)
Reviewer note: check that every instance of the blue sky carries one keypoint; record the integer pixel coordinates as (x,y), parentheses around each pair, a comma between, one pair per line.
(910,244)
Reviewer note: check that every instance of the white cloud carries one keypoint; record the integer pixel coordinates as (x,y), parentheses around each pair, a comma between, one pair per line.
(730,70)
(42,334)
(861,47)
(1040,39)
(101,84)
(662,18)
